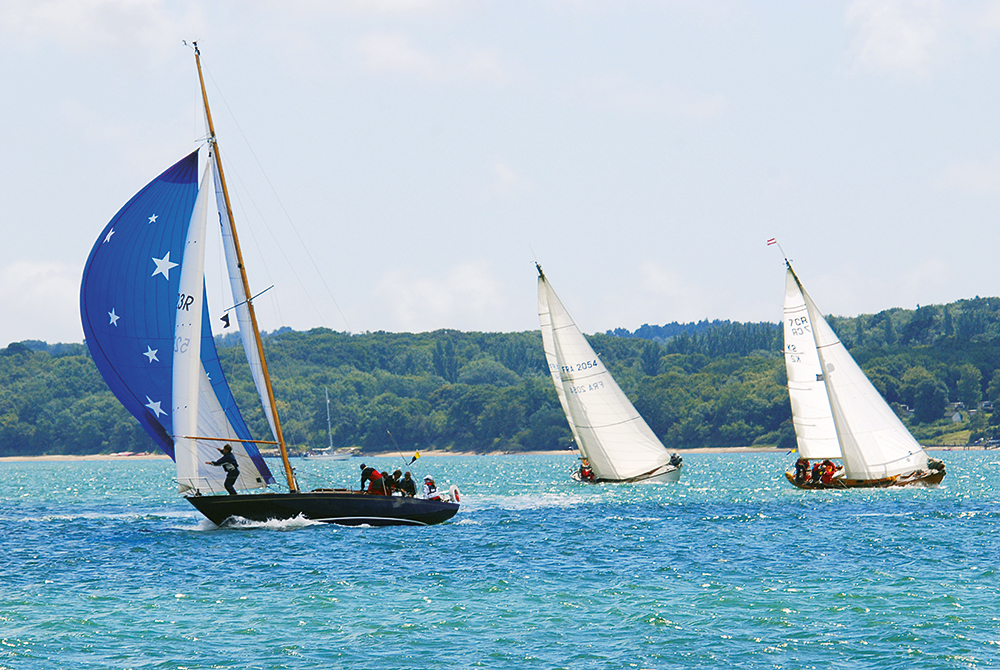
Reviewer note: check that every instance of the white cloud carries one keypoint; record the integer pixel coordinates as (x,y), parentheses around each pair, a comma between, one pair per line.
(395,53)
(982,177)
(896,34)
(505,180)
(661,295)
(620,93)
(467,296)
(378,8)
(86,25)
(925,278)
(40,297)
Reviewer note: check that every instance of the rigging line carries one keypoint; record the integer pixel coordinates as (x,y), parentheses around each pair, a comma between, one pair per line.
(284,209)
(238,195)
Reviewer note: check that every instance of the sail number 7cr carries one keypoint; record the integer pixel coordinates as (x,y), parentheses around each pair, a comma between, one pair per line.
(799,325)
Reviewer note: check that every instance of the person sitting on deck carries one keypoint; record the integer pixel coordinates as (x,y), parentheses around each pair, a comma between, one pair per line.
(586,473)
(801,471)
(430,489)
(817,473)
(676,460)
(407,485)
(828,470)
(392,482)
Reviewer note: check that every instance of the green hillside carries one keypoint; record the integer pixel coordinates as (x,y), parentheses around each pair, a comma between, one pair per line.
(711,384)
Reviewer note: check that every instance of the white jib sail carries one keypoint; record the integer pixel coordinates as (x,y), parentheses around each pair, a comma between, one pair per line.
(873,440)
(811,413)
(610,432)
(242,309)
(197,411)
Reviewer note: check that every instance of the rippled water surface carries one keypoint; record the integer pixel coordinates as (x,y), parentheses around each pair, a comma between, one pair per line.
(102,565)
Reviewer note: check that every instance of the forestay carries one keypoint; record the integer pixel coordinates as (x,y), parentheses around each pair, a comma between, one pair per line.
(609,431)
(873,440)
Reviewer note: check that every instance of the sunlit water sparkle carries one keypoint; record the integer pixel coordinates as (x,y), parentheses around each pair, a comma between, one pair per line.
(103,566)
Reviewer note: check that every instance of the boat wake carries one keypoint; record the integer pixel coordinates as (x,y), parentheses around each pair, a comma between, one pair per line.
(239,523)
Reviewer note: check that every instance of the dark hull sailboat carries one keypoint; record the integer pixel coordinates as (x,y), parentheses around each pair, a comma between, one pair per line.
(341,507)
(146,321)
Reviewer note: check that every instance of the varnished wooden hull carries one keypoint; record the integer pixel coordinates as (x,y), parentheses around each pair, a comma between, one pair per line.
(930,478)
(668,473)
(342,507)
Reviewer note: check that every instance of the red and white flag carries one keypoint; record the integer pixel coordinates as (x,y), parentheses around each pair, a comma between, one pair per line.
(771,241)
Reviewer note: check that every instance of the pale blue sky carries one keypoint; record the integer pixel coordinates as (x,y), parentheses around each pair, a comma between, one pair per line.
(427,151)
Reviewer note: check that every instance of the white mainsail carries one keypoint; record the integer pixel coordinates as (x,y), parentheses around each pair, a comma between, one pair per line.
(874,442)
(814,428)
(609,431)
(197,412)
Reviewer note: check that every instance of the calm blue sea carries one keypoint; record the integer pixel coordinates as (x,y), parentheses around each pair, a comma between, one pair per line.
(102,565)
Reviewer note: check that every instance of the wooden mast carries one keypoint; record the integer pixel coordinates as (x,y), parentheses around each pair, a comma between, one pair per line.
(292,486)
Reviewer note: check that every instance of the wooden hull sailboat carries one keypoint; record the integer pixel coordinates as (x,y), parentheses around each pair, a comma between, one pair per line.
(146,321)
(838,414)
(615,443)
(928,479)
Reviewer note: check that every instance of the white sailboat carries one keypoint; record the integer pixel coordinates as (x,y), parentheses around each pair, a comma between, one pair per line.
(615,442)
(328,452)
(838,414)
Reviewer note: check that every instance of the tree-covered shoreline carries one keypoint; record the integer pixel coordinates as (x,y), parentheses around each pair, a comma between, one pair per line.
(709,384)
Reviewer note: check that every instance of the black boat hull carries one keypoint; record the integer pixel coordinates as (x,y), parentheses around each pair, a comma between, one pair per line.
(345,508)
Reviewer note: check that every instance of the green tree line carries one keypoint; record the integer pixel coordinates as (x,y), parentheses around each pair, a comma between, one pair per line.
(711,384)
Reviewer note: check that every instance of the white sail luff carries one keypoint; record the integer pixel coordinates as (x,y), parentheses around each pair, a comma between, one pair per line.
(873,440)
(242,310)
(610,432)
(549,347)
(187,368)
(812,418)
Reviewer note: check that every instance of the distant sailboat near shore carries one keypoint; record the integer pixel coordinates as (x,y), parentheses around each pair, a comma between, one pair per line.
(614,441)
(146,320)
(838,414)
(328,452)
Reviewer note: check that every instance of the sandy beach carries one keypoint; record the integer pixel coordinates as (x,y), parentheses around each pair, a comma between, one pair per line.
(122,456)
